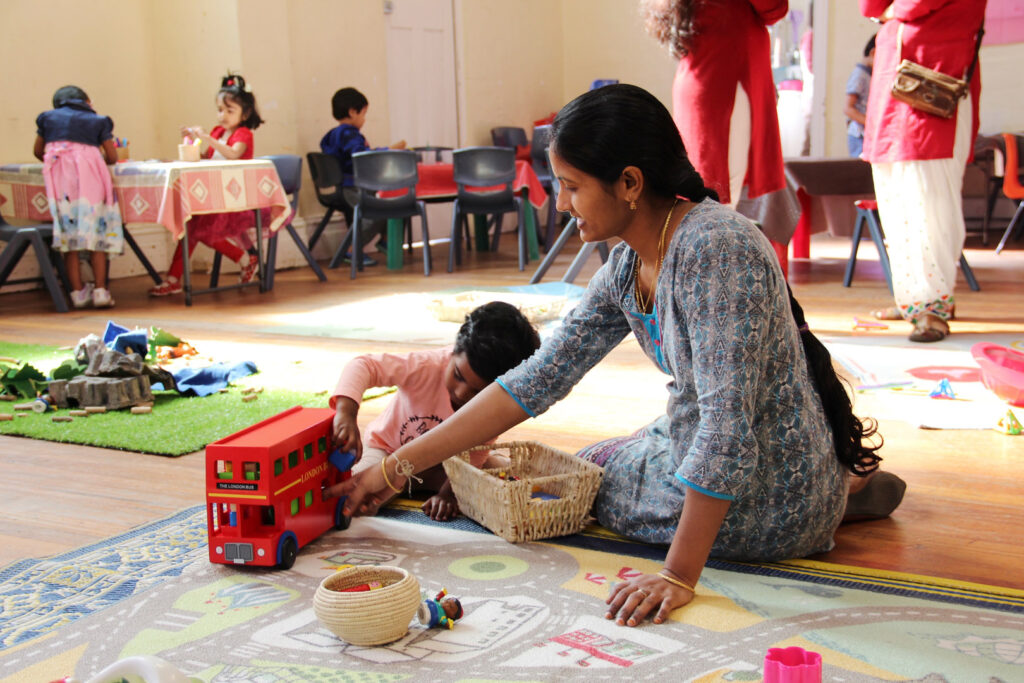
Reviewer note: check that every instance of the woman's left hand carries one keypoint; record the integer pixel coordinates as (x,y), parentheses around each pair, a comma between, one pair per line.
(633,600)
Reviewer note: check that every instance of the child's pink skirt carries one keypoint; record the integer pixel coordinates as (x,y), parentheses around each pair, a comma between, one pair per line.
(82,201)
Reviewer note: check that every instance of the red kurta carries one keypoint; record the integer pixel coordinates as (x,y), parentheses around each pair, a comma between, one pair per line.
(731,47)
(938,34)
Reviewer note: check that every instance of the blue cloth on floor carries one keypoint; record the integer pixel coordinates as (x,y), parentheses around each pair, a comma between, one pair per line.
(211,379)
(121,338)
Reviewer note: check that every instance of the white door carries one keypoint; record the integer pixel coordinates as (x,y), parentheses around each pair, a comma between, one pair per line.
(421,72)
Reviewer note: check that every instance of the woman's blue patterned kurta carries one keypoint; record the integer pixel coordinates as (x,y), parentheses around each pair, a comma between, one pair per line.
(744,421)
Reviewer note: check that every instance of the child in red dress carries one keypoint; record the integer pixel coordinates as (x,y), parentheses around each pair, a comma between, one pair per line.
(232,138)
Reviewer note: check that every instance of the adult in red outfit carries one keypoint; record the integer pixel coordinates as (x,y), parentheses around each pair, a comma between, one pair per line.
(918,159)
(723,95)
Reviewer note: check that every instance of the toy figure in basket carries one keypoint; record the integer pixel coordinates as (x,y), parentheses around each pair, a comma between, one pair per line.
(443,610)
(432,385)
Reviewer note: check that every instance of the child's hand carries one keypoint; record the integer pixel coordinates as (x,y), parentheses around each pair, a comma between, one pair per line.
(345,435)
(366,492)
(401,144)
(441,507)
(195,132)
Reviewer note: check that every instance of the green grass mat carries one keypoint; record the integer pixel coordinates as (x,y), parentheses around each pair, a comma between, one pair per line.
(177,425)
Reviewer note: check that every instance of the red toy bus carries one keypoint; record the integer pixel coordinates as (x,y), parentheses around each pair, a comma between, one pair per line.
(264,488)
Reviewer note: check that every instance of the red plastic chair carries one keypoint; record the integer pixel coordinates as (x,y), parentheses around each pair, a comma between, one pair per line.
(1012,186)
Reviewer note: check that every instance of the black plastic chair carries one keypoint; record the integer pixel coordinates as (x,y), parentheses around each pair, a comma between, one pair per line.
(39,237)
(539,144)
(289,170)
(509,136)
(485,167)
(328,181)
(380,171)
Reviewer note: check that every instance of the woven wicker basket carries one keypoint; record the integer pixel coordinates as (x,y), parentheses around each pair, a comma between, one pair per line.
(506,506)
(373,617)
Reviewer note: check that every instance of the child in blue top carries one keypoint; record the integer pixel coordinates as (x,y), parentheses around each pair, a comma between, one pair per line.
(857,99)
(69,140)
(349,108)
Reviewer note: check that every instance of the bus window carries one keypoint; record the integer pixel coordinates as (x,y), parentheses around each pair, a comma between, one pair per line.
(308,451)
(293,459)
(309,498)
(295,506)
(321,444)
(224,469)
(251,471)
(267,515)
(278,467)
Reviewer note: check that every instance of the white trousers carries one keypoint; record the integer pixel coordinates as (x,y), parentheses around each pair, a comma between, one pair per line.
(921,209)
(739,144)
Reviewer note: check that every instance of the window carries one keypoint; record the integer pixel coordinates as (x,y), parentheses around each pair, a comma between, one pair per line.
(308,451)
(224,468)
(322,444)
(293,459)
(278,467)
(295,506)
(309,498)
(251,471)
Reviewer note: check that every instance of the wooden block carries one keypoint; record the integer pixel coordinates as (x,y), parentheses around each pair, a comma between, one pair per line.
(62,418)
(223,390)
(95,409)
(8,359)
(23,406)
(78,413)
(248,390)
(147,404)
(250,397)
(141,410)
(8,397)
(258,391)
(22,414)
(6,417)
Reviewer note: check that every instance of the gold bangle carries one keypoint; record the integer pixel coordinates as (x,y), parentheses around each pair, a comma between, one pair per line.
(676,582)
(384,471)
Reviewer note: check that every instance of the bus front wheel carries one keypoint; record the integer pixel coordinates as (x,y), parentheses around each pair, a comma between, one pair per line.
(289,550)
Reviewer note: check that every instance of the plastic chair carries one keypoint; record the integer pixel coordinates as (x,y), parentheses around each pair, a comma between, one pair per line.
(867,212)
(508,136)
(1012,186)
(328,182)
(425,154)
(378,171)
(539,144)
(289,170)
(485,167)
(39,237)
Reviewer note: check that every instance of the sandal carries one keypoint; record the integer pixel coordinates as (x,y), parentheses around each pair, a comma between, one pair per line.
(166,288)
(881,495)
(890,313)
(929,328)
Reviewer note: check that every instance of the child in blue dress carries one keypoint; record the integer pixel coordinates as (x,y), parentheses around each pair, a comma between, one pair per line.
(758,449)
(75,145)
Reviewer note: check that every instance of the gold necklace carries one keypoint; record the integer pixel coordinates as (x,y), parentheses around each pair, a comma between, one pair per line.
(644,301)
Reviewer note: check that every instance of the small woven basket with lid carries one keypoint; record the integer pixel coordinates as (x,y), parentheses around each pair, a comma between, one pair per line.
(370,617)
(506,505)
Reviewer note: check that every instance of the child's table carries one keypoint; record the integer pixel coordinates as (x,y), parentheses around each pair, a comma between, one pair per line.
(168,193)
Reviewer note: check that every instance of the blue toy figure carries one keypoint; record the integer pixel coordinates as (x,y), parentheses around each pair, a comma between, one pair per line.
(443,610)
(943,390)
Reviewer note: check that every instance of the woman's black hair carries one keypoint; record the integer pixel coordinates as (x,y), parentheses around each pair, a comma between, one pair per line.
(673,24)
(870,45)
(345,100)
(603,131)
(848,431)
(496,337)
(233,87)
(67,94)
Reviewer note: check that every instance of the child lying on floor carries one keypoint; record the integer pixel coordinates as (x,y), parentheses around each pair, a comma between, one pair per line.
(432,385)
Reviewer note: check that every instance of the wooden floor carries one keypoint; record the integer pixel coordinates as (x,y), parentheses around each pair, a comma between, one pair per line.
(961,517)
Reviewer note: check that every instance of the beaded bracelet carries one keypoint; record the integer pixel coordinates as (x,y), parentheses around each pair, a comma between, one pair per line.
(384,471)
(676,582)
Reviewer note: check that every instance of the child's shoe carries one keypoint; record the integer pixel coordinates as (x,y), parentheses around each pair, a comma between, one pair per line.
(101,298)
(81,298)
(248,271)
(166,288)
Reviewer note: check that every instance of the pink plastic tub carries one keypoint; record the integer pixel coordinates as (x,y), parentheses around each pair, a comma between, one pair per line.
(792,665)
(1002,371)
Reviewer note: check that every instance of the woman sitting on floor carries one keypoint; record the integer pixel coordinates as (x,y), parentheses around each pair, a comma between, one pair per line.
(753,459)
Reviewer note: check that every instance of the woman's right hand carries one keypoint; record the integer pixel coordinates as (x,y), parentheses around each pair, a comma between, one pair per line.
(366,491)
(345,435)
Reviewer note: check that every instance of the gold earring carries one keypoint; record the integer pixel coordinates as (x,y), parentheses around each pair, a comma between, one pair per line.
(632,205)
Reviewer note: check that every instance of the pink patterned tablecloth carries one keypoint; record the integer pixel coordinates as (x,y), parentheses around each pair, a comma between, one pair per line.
(157,192)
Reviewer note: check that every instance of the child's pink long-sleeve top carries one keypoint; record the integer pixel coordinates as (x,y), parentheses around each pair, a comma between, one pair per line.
(420,404)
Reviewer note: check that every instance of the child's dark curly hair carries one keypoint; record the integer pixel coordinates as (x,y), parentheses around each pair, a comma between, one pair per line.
(672,23)
(233,87)
(496,337)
